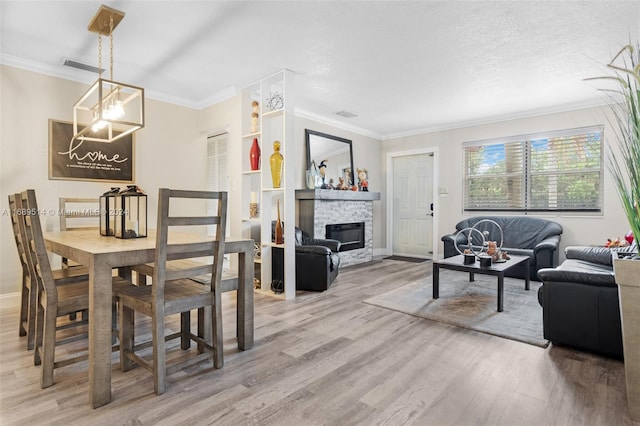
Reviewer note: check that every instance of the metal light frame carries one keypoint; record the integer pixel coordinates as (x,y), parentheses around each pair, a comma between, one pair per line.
(93,120)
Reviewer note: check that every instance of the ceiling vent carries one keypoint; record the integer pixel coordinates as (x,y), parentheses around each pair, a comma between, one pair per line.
(79,65)
(346,114)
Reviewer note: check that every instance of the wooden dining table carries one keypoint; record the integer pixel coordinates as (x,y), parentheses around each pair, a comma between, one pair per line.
(101,255)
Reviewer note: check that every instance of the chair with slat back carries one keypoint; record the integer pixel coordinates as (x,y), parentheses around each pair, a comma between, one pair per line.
(76,213)
(172,292)
(29,287)
(53,300)
(28,302)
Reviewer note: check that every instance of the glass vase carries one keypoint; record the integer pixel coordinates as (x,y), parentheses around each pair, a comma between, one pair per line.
(254,155)
(279,238)
(276,161)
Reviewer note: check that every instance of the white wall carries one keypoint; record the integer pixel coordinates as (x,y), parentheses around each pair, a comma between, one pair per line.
(170,152)
(578,230)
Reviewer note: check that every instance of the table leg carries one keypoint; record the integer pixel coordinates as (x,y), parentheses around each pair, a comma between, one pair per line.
(99,333)
(245,298)
(527,273)
(436,281)
(472,277)
(500,291)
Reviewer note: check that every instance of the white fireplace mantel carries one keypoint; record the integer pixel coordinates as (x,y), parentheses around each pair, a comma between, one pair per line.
(332,194)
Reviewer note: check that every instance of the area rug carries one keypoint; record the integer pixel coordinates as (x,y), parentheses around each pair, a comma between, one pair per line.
(406,259)
(472,305)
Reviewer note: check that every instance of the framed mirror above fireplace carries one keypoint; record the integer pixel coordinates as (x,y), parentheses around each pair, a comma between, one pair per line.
(336,152)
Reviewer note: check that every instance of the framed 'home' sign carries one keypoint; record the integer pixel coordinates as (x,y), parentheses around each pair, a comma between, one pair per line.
(74,159)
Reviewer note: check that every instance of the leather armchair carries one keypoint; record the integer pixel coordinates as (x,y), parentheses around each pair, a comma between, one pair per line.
(317,261)
(579,302)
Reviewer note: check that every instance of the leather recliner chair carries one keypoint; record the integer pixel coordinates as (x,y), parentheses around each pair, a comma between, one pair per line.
(579,302)
(317,261)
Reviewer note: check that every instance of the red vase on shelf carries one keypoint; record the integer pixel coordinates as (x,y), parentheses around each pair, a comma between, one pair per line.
(254,155)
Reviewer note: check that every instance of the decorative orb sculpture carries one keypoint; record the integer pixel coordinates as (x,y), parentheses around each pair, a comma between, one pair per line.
(469,242)
(483,235)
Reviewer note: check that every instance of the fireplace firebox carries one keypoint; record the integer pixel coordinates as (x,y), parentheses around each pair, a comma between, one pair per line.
(351,235)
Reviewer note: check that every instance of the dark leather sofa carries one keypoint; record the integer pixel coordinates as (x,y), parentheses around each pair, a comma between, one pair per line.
(317,262)
(580,304)
(523,235)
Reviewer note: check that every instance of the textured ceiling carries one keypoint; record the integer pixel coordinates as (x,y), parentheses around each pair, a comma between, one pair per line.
(402,66)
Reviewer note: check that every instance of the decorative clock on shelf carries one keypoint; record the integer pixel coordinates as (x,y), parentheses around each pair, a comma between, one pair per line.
(275,101)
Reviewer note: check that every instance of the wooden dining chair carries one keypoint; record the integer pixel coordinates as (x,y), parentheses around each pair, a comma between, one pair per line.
(28,297)
(78,213)
(53,301)
(172,292)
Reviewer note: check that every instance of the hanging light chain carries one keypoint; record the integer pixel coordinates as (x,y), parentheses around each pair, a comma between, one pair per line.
(99,55)
(111,47)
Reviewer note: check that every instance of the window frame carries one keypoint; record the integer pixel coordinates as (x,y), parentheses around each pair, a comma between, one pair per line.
(528,173)
(217,182)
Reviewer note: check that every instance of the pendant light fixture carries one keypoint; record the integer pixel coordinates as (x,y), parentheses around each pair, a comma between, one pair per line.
(109,110)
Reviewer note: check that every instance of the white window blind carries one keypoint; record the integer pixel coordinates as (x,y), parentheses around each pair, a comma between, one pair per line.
(218,169)
(558,171)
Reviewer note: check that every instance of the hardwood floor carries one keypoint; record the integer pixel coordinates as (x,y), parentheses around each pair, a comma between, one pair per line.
(328,358)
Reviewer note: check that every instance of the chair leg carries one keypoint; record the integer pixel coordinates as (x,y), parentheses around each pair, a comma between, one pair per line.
(201,329)
(32,313)
(159,355)
(48,348)
(185,330)
(141,279)
(216,317)
(126,320)
(39,326)
(114,322)
(24,306)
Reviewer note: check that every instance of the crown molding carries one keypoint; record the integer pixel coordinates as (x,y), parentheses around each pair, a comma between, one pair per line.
(85,77)
(59,70)
(593,103)
(216,98)
(336,123)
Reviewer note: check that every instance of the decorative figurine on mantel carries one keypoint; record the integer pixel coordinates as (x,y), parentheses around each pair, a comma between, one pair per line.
(322,167)
(341,184)
(254,116)
(362,180)
(348,180)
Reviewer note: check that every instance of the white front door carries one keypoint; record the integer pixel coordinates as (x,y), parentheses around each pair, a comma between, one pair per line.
(413,205)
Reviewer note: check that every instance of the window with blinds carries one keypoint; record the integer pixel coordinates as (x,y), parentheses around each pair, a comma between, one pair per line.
(558,171)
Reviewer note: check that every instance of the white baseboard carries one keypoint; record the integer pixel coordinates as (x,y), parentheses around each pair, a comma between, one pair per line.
(10,300)
(381,252)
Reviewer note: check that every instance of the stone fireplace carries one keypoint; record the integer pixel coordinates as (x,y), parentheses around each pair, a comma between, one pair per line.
(321,208)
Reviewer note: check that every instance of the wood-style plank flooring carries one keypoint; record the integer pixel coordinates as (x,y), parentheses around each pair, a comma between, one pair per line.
(327,358)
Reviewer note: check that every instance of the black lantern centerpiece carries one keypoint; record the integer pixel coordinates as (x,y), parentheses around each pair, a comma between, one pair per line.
(108,212)
(131,203)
